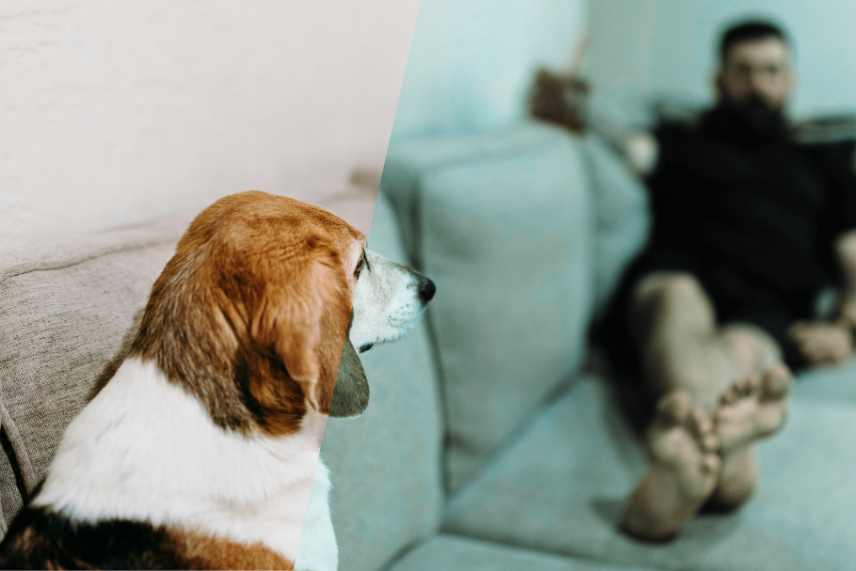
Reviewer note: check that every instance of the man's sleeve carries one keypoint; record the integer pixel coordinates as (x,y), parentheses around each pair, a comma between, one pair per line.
(831,144)
(836,163)
(683,149)
(841,172)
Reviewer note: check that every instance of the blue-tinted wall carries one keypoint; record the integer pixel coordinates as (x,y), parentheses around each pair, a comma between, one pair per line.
(667,46)
(471,61)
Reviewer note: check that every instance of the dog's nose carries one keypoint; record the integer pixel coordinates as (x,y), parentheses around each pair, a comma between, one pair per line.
(427,289)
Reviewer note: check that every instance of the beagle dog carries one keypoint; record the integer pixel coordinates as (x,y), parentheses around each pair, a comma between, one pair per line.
(202,450)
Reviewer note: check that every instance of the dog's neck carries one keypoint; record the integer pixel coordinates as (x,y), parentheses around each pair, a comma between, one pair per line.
(145,449)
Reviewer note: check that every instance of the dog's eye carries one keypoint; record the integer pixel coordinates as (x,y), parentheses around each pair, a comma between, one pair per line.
(364,263)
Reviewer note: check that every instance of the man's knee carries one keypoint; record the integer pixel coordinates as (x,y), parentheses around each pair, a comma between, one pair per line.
(751,342)
(670,288)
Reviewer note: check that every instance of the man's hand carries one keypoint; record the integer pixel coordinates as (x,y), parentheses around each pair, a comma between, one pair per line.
(559,99)
(823,343)
(845,250)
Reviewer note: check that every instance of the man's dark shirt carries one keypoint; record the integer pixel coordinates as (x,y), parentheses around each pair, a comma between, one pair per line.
(767,211)
(754,219)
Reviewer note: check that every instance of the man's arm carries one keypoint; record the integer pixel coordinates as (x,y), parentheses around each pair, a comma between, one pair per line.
(564,100)
(845,249)
(830,343)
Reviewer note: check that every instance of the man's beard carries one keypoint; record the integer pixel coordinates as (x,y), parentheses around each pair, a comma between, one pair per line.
(753,120)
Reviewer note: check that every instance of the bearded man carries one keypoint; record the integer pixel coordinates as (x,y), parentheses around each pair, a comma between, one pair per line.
(749,225)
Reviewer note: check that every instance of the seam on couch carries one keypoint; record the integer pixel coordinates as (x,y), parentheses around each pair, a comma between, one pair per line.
(517,149)
(439,372)
(19,492)
(516,434)
(508,545)
(413,250)
(5,519)
(439,394)
(22,457)
(7,448)
(27,268)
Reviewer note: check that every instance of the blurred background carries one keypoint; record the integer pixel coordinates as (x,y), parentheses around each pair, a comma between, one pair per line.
(471,63)
(130,104)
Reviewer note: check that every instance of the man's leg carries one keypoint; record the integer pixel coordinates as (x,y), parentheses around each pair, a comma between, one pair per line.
(692,366)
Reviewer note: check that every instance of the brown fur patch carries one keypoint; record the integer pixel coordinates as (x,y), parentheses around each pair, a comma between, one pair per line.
(252,312)
(202,551)
(42,539)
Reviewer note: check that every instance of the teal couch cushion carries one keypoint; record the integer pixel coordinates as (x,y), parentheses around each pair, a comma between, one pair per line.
(829,384)
(562,485)
(385,464)
(452,553)
(505,232)
(409,161)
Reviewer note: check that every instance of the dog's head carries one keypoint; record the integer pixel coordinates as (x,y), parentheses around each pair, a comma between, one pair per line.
(260,309)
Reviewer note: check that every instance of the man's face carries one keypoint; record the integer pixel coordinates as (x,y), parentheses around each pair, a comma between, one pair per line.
(757,70)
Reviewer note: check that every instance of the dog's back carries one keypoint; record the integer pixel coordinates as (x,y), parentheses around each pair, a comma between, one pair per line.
(41,539)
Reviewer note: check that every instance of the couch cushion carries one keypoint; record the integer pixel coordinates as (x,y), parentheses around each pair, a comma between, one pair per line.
(408,161)
(65,309)
(455,553)
(829,384)
(507,238)
(562,485)
(385,464)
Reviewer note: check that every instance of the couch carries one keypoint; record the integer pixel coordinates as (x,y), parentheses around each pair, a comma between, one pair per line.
(493,440)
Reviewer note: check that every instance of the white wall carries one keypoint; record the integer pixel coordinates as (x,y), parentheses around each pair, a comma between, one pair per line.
(472,61)
(668,46)
(113,112)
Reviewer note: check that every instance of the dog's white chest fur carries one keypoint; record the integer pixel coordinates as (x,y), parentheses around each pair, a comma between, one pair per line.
(146,450)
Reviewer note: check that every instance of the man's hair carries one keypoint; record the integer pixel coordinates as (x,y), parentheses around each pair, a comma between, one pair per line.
(750,30)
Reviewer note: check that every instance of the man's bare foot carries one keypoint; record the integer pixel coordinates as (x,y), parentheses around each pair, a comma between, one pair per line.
(737,479)
(752,408)
(684,470)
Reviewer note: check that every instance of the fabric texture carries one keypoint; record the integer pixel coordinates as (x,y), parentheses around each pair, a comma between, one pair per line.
(561,487)
(64,315)
(508,237)
(11,490)
(408,161)
(385,464)
(448,552)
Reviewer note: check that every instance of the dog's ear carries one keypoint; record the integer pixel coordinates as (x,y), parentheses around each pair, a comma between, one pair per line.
(351,394)
(305,323)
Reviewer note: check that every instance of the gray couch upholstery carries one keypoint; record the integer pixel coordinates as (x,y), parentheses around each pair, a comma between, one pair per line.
(489,443)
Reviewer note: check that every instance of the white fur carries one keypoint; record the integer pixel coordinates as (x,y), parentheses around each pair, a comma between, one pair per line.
(144,449)
(386,302)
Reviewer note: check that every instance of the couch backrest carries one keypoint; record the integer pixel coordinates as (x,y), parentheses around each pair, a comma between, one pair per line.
(503,223)
(64,310)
